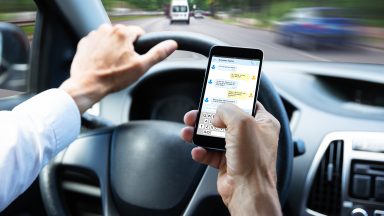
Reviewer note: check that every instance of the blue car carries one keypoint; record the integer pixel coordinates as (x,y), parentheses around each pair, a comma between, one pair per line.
(309,27)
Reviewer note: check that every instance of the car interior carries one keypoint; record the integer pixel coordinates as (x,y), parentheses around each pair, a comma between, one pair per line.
(130,159)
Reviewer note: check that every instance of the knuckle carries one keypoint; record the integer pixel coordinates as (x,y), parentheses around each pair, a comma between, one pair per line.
(274,124)
(273,121)
(155,57)
(119,26)
(246,121)
(277,124)
(104,27)
(160,55)
(81,42)
(138,66)
(137,29)
(119,33)
(92,33)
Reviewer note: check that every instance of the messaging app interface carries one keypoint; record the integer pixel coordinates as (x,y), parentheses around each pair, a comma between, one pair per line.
(230,80)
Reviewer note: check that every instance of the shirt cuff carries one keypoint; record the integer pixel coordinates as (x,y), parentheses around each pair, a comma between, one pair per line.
(57,110)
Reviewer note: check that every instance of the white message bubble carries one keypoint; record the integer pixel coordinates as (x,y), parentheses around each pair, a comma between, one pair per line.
(227,84)
(227,67)
(223,100)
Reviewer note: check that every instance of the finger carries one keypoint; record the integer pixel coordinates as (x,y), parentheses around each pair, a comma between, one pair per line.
(190,118)
(261,113)
(210,158)
(259,106)
(227,114)
(92,33)
(263,116)
(158,53)
(132,32)
(104,27)
(187,134)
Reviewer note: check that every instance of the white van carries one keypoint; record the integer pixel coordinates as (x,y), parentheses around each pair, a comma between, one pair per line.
(179,11)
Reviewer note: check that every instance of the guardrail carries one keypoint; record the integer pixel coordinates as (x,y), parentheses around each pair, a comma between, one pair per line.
(22,22)
(27,22)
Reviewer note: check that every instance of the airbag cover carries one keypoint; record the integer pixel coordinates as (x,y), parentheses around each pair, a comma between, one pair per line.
(152,172)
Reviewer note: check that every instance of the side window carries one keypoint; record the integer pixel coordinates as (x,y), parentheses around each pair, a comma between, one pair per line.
(17,18)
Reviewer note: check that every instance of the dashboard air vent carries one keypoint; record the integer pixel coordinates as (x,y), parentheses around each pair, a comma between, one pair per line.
(81,192)
(325,193)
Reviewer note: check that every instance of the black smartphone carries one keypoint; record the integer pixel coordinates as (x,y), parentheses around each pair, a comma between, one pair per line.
(232,76)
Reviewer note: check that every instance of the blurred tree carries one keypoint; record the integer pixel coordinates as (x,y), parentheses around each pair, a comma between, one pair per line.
(212,6)
(200,4)
(17,5)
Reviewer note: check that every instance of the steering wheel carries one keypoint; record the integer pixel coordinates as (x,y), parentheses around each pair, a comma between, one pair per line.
(143,167)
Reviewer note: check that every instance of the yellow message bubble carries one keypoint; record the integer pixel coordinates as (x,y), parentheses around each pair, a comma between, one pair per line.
(234,94)
(239,76)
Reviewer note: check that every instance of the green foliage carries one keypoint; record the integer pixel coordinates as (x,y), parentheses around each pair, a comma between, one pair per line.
(17,5)
(200,4)
(139,4)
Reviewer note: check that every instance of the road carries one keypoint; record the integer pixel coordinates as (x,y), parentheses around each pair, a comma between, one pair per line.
(262,39)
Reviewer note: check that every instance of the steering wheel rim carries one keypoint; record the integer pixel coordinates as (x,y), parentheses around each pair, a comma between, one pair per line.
(200,44)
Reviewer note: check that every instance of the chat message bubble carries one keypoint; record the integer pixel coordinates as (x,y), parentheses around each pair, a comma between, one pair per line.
(227,67)
(239,76)
(227,84)
(222,101)
(237,94)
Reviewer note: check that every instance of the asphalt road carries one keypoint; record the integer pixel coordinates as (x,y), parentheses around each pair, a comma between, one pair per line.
(262,39)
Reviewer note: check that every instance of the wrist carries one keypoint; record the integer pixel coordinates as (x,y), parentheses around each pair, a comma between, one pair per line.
(255,195)
(84,95)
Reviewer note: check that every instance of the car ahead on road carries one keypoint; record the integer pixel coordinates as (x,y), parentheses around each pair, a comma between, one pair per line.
(179,11)
(198,14)
(129,159)
(316,26)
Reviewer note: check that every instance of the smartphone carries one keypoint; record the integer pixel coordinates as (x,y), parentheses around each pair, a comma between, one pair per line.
(232,76)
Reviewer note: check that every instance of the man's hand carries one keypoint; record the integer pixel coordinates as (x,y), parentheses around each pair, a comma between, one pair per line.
(106,62)
(247,170)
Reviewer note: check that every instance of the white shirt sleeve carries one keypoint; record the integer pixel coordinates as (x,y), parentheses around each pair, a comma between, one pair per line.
(30,136)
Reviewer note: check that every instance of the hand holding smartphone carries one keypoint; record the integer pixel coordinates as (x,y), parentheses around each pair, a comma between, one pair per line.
(232,76)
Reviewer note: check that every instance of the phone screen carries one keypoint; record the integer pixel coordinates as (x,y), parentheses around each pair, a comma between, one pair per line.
(230,80)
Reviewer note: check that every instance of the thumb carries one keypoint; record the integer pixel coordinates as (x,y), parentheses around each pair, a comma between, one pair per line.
(227,115)
(158,53)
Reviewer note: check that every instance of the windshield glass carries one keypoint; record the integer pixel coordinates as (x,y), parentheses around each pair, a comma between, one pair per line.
(289,30)
(179,8)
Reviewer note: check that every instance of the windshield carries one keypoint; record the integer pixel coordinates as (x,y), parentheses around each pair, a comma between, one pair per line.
(286,30)
(179,8)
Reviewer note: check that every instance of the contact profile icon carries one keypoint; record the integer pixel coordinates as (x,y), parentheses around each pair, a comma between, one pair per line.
(213,67)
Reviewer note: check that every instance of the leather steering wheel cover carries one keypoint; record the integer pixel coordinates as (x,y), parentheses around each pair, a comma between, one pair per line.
(273,104)
(187,41)
(49,190)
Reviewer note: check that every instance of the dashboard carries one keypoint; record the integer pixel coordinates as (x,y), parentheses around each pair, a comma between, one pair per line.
(335,109)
